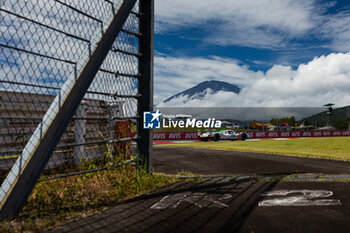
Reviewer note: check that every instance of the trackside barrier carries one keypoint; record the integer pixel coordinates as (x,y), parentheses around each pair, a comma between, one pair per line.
(175,136)
(251,134)
(295,134)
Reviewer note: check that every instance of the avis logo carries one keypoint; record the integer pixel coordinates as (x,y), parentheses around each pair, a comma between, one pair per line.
(151,120)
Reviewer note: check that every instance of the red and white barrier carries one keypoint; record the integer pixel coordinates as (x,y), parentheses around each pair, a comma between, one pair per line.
(254,134)
(295,134)
(175,136)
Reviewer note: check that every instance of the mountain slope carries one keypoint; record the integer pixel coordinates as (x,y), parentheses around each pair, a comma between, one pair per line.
(321,119)
(200,90)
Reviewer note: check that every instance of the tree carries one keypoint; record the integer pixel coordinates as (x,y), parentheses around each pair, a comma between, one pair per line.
(305,121)
(274,121)
(342,123)
(290,120)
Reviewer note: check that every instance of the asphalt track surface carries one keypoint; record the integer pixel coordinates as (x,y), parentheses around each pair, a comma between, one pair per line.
(172,160)
(226,204)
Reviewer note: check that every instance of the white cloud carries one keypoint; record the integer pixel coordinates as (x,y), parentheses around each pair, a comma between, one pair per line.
(173,75)
(324,79)
(268,24)
(263,23)
(336,29)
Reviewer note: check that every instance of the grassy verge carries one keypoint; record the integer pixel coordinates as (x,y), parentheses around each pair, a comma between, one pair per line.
(337,148)
(57,201)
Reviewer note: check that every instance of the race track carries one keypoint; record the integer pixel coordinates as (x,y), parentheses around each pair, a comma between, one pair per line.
(172,160)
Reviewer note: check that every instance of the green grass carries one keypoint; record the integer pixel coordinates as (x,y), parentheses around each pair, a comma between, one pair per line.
(57,201)
(337,148)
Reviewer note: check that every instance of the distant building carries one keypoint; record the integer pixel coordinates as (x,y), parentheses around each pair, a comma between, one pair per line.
(260,125)
(303,127)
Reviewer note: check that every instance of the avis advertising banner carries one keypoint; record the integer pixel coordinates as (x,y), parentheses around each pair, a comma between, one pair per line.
(266,134)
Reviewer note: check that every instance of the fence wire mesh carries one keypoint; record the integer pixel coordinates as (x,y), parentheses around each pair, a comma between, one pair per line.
(42,45)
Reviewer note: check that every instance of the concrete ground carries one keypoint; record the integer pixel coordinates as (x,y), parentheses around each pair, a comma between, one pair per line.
(226,204)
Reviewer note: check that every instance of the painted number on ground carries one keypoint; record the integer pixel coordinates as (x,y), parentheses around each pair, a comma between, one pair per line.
(299,198)
(196,198)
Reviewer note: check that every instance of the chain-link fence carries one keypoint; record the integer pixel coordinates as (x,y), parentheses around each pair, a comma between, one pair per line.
(55,62)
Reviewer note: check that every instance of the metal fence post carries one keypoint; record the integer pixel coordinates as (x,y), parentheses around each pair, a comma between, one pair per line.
(79,136)
(145,82)
(113,112)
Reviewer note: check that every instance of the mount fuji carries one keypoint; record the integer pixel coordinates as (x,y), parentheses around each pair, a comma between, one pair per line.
(200,90)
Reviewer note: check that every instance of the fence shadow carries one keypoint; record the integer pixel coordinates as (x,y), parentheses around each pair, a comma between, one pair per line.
(212,205)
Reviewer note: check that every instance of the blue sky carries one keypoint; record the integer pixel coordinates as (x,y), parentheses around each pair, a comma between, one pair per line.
(282,53)
(271,48)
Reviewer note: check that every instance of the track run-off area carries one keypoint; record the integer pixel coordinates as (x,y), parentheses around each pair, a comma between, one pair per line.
(231,191)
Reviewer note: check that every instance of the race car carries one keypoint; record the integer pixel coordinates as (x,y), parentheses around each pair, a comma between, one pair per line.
(222,135)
